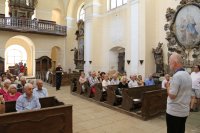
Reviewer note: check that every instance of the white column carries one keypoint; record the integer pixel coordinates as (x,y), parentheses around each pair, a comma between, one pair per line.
(88,38)
(7,8)
(133,53)
(71,42)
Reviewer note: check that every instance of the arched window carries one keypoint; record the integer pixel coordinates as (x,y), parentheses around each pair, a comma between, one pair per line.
(15,54)
(81,14)
(111,4)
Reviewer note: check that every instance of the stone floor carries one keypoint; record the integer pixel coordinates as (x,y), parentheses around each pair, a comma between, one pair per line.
(89,117)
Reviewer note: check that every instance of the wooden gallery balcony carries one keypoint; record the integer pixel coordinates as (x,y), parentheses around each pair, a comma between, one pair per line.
(32,26)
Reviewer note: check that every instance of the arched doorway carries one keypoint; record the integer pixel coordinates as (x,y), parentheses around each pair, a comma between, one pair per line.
(20,48)
(55,56)
(117,59)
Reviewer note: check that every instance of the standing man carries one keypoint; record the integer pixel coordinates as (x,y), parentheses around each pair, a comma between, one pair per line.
(59,72)
(179,96)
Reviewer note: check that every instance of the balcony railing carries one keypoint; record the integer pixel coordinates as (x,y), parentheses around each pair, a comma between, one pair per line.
(32,26)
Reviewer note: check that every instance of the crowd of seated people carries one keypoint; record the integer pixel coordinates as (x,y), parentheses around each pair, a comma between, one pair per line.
(25,93)
(113,79)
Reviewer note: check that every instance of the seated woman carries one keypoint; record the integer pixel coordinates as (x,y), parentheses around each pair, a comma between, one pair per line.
(6,85)
(82,80)
(12,94)
(122,84)
(140,80)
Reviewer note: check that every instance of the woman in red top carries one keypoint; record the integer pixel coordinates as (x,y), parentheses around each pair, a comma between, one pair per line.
(6,85)
(12,94)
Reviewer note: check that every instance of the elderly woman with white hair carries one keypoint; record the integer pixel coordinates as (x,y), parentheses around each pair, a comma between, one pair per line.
(6,85)
(12,94)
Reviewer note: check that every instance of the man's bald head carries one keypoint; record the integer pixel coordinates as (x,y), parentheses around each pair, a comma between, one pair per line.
(175,61)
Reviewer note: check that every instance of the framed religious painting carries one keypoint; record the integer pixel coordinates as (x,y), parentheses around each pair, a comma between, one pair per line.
(186,25)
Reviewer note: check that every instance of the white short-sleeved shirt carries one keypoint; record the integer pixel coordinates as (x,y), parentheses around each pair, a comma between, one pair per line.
(105,84)
(164,83)
(132,84)
(195,80)
(181,86)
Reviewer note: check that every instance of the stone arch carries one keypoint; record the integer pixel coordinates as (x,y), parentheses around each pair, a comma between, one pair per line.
(55,56)
(29,46)
(117,58)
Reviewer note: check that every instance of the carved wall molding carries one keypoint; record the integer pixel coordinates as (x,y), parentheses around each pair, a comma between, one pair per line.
(182,33)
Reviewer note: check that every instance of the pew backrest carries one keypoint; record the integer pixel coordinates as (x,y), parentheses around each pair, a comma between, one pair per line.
(45,102)
(52,120)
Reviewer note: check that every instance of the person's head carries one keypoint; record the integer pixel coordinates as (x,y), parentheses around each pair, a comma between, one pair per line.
(114,76)
(90,73)
(39,84)
(4,78)
(23,80)
(12,89)
(8,71)
(20,75)
(28,89)
(175,61)
(123,79)
(140,77)
(197,68)
(150,77)
(93,74)
(6,83)
(31,81)
(133,77)
(167,77)
(82,74)
(106,77)
(12,79)
(59,65)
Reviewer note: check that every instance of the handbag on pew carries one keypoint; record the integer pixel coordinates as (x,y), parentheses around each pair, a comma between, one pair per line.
(93,90)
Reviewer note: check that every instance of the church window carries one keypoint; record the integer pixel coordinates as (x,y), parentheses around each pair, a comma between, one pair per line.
(15,54)
(81,14)
(115,3)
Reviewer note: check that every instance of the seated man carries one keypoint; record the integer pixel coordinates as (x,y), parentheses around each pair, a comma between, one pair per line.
(40,91)
(22,83)
(166,81)
(133,81)
(115,80)
(27,101)
(149,81)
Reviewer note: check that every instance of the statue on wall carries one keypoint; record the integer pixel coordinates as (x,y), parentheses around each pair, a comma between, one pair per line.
(158,56)
(79,53)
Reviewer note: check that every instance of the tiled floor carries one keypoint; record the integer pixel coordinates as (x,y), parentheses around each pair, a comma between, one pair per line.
(89,117)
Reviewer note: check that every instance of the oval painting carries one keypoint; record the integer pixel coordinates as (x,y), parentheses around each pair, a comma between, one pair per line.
(187,26)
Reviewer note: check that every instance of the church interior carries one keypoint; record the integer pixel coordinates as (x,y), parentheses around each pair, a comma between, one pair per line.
(63,42)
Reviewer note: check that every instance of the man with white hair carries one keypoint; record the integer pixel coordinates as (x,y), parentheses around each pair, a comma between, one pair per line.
(133,82)
(27,101)
(179,96)
(40,91)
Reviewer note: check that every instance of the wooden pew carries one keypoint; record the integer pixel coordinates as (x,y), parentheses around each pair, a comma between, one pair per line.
(153,103)
(112,98)
(47,120)
(45,102)
(99,95)
(133,96)
(74,85)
